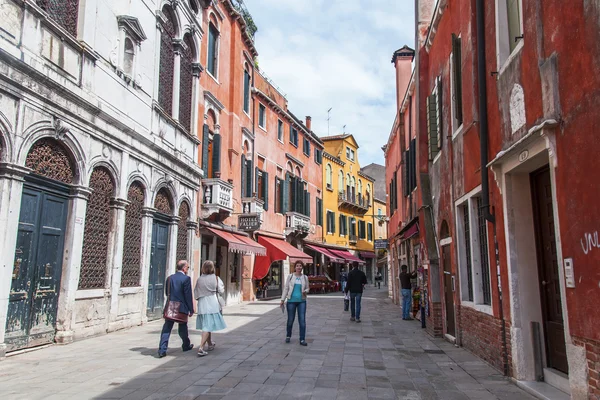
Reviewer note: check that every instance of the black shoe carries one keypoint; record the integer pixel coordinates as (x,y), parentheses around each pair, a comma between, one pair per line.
(161,355)
(303,343)
(287,339)
(358,320)
(190,347)
(351,318)
(408,319)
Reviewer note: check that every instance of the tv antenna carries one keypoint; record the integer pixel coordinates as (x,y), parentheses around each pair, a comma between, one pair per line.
(344,129)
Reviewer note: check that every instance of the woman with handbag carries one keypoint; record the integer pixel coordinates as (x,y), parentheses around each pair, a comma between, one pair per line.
(207,291)
(294,291)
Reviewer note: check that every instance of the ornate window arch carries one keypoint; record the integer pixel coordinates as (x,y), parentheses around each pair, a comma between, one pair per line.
(186,81)
(341,180)
(64,13)
(132,242)
(167,61)
(182,231)
(96,231)
(329,176)
(163,202)
(49,158)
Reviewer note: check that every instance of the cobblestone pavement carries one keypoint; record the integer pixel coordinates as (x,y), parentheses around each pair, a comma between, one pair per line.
(381,358)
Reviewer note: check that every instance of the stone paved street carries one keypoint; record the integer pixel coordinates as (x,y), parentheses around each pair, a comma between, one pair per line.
(381,358)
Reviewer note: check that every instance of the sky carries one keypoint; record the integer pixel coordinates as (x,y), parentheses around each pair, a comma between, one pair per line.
(336,54)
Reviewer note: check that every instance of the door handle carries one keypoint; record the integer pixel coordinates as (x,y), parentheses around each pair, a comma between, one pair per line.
(544,283)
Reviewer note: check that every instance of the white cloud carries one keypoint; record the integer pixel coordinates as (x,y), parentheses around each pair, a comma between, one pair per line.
(336,53)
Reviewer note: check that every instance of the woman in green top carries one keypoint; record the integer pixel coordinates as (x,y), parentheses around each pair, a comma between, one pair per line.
(295,290)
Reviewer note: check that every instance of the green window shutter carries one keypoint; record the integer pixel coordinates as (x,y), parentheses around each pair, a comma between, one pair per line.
(370,232)
(432,125)
(332,222)
(307,204)
(216,155)
(286,194)
(457,77)
(440,120)
(249,170)
(266,190)
(246,91)
(256,182)
(205,143)
(244,175)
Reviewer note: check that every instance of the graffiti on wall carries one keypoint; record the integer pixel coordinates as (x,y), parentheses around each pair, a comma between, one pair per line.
(589,242)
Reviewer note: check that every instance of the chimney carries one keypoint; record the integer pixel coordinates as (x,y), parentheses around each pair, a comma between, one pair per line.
(308,122)
(402,60)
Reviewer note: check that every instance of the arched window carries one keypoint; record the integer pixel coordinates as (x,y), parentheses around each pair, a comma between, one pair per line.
(48,158)
(360,186)
(64,13)
(341,181)
(95,234)
(167,62)
(213,49)
(444,231)
(182,231)
(329,176)
(132,242)
(128,57)
(194,6)
(246,88)
(163,202)
(186,82)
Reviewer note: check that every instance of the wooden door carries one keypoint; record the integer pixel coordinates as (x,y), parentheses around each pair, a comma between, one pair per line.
(449,291)
(158,267)
(554,331)
(33,299)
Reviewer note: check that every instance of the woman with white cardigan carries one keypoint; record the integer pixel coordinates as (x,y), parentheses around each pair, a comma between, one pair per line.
(208,287)
(294,291)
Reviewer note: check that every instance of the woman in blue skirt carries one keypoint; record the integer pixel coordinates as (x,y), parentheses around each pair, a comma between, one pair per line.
(210,319)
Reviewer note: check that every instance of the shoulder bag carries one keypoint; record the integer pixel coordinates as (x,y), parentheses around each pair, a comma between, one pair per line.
(220,298)
(171,310)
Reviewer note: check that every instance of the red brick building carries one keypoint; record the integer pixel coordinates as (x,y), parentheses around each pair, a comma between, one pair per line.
(509,256)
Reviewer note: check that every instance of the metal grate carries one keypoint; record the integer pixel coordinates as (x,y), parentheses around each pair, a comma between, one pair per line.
(483,250)
(167,61)
(95,235)
(163,203)
(182,232)
(468,251)
(64,12)
(132,244)
(49,158)
(186,82)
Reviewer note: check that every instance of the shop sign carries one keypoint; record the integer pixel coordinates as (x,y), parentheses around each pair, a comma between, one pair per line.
(381,244)
(249,222)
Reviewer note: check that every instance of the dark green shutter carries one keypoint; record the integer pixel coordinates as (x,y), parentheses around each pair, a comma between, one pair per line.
(249,170)
(432,126)
(307,204)
(332,222)
(243,185)
(440,119)
(205,143)
(246,91)
(286,196)
(256,182)
(457,77)
(265,179)
(216,155)
(370,232)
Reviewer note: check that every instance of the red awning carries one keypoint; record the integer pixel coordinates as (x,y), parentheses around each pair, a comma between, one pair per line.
(367,254)
(239,243)
(327,253)
(410,232)
(345,254)
(277,250)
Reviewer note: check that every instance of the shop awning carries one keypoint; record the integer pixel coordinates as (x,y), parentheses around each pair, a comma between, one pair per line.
(366,254)
(277,250)
(410,232)
(239,243)
(327,253)
(345,254)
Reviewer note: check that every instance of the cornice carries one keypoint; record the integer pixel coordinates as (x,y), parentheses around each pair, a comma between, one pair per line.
(333,158)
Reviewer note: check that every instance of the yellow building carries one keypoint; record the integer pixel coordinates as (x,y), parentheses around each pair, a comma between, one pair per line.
(348,201)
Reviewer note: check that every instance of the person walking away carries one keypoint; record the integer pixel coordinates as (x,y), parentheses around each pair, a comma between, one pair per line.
(378,279)
(295,290)
(346,301)
(356,283)
(210,318)
(406,286)
(344,279)
(178,288)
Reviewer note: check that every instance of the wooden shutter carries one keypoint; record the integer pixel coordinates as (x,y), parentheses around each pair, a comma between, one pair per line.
(249,170)
(439,98)
(216,153)
(370,231)
(205,143)
(246,91)
(432,125)
(332,222)
(457,77)
(286,194)
(413,164)
(307,204)
(407,173)
(265,179)
(244,175)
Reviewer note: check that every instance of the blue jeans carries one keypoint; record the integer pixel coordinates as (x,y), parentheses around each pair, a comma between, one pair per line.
(166,333)
(406,303)
(355,304)
(343,286)
(291,310)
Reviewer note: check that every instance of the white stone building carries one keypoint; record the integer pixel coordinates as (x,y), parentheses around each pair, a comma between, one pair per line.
(98,162)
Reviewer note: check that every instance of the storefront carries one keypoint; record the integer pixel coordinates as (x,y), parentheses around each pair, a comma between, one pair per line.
(369,258)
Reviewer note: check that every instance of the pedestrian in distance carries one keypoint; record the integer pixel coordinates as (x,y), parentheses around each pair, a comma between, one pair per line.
(378,279)
(295,290)
(406,287)
(346,301)
(356,284)
(344,279)
(210,317)
(178,290)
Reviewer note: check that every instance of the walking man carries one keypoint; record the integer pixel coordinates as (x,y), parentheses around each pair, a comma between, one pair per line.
(405,278)
(355,285)
(178,288)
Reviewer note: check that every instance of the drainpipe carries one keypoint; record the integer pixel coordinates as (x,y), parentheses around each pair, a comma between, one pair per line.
(483,137)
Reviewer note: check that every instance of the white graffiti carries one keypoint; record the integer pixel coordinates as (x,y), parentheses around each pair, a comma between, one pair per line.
(589,241)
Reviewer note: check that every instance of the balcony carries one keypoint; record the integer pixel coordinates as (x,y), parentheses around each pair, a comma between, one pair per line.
(253,205)
(217,199)
(356,204)
(352,239)
(297,224)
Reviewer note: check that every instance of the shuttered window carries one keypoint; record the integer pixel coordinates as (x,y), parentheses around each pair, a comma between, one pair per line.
(370,232)
(513,10)
(433,122)
(213,51)
(330,222)
(262,120)
(457,80)
(319,210)
(361,230)
(247,91)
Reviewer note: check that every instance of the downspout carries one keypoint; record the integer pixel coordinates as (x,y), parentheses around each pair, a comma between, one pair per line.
(483,138)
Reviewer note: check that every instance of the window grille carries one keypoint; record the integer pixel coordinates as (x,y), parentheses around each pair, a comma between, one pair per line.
(483,246)
(132,246)
(163,202)
(167,61)
(186,82)
(97,227)
(50,159)
(468,253)
(63,12)
(182,232)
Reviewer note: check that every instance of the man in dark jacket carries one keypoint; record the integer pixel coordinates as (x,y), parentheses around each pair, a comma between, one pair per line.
(178,288)
(356,283)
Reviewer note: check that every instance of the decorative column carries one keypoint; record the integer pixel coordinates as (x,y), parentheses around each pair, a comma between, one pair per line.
(71,264)
(172,249)
(11,190)
(196,72)
(116,242)
(147,221)
(177,47)
(191,236)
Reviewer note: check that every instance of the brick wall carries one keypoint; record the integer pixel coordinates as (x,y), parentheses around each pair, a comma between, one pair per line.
(434,320)
(592,349)
(481,334)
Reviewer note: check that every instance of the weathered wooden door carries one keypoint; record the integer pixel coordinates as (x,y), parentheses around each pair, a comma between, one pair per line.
(448,291)
(37,269)
(554,331)
(158,267)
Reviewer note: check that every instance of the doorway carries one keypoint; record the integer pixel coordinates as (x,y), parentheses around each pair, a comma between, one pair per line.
(449,291)
(37,269)
(158,267)
(549,280)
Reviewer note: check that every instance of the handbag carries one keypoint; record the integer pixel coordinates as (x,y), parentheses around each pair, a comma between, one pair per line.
(171,311)
(220,298)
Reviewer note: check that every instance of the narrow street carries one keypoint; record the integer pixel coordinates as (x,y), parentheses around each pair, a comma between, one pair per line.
(381,358)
